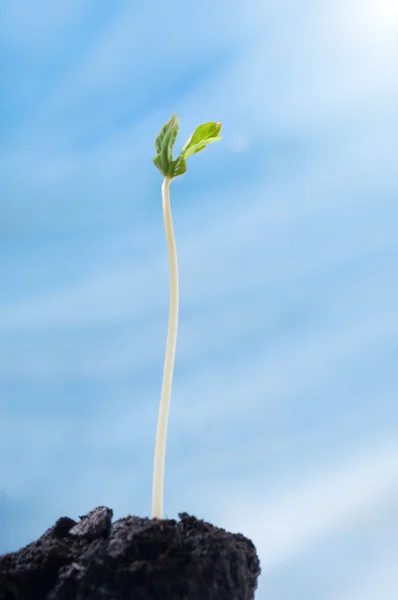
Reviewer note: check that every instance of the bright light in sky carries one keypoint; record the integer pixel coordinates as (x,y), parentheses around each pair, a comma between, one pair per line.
(375,16)
(386,8)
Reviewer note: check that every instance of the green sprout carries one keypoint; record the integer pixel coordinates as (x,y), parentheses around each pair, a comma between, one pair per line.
(202,136)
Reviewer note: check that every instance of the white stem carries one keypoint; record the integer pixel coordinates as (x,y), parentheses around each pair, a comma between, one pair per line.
(161,434)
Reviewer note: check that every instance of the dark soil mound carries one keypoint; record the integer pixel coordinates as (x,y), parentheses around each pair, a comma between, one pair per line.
(131,559)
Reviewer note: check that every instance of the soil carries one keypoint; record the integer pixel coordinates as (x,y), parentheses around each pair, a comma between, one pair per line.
(131,559)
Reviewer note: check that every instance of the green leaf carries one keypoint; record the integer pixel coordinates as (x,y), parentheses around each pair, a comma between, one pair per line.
(203,135)
(200,146)
(178,167)
(158,163)
(164,144)
(171,123)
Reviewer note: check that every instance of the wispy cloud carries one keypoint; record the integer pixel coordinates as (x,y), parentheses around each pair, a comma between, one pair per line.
(299,517)
(250,234)
(30,28)
(378,581)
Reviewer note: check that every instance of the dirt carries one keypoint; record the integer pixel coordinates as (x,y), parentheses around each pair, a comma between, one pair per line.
(132,558)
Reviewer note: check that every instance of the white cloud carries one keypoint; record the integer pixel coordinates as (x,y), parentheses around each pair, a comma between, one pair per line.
(122,71)
(317,71)
(271,222)
(298,518)
(378,582)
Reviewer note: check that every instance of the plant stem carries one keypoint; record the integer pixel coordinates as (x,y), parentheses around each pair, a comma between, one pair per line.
(161,433)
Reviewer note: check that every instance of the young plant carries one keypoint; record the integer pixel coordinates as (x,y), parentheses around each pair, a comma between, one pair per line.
(202,136)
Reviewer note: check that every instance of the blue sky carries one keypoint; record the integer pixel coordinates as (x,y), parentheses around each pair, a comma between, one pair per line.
(284,414)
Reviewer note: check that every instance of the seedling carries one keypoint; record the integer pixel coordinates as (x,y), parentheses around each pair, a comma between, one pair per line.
(202,136)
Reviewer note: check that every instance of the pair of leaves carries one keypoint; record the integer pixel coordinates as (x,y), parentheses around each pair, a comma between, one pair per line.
(202,136)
